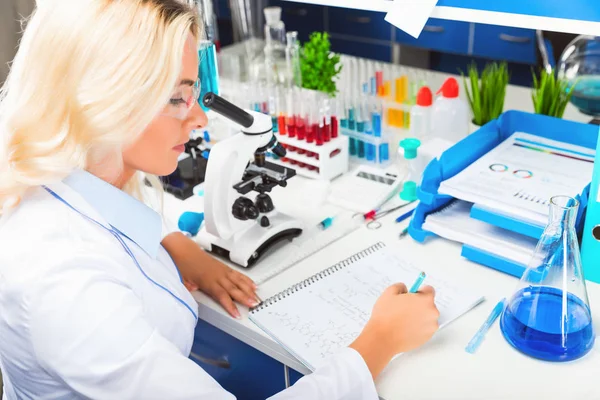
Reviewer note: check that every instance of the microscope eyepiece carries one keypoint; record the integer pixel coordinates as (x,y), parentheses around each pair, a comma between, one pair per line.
(227,109)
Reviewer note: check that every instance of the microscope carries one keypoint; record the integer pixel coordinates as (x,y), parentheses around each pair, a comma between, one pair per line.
(237,227)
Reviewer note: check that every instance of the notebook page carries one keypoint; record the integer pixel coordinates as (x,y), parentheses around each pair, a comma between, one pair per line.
(314,322)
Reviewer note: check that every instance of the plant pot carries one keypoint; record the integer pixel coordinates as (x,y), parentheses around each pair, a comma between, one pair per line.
(473,127)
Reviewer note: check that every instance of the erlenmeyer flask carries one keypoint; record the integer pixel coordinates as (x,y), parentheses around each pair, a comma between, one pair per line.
(548,317)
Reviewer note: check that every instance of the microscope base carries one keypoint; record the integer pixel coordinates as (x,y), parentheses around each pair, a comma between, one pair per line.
(246,247)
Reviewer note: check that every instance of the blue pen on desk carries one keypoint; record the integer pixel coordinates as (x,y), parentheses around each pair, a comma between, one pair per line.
(478,338)
(415,287)
(405,215)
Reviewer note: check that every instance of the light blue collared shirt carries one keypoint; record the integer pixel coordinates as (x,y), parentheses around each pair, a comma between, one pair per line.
(131,217)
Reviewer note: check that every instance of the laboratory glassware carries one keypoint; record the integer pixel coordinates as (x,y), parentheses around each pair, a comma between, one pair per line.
(208,71)
(579,64)
(292,59)
(275,48)
(548,317)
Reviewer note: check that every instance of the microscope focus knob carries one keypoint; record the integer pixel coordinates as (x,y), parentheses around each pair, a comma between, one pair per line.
(244,209)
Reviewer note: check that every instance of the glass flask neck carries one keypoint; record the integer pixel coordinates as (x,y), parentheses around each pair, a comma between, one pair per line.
(563,211)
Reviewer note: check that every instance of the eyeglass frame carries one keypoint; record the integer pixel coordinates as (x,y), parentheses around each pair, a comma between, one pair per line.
(175,111)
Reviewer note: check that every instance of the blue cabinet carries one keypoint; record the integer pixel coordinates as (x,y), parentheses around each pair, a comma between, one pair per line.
(505,43)
(352,47)
(304,18)
(239,368)
(359,23)
(439,35)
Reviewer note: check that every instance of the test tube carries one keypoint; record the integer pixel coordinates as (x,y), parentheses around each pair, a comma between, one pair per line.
(311,121)
(334,119)
(326,120)
(372,78)
(318,123)
(290,120)
(376,122)
(379,79)
(272,107)
(387,78)
(301,118)
(281,111)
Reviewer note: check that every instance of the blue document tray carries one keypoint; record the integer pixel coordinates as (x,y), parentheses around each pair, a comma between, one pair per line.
(474,146)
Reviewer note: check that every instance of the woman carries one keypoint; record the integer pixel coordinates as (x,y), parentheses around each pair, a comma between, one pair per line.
(92,298)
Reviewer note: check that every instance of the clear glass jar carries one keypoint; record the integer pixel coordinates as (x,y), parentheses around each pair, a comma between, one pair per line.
(579,64)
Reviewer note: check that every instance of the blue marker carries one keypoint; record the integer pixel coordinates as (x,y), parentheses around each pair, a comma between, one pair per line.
(478,338)
(415,287)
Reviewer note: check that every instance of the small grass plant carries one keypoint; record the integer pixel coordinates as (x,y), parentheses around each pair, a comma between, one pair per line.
(550,94)
(486,93)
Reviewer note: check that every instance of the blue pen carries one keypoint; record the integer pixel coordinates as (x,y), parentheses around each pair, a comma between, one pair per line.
(415,287)
(478,338)
(405,215)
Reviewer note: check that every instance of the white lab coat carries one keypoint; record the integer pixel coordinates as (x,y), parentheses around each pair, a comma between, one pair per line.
(79,318)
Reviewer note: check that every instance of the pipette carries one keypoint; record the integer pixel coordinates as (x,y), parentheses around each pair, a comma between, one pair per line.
(478,338)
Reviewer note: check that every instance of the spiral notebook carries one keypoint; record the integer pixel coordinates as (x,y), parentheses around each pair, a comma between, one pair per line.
(315,318)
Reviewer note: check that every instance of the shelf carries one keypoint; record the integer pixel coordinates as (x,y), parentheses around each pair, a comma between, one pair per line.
(579,17)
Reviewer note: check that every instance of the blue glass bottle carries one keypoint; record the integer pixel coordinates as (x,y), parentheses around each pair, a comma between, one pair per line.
(548,317)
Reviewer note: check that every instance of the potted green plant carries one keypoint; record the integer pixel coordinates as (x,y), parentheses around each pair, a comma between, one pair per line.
(550,94)
(319,65)
(486,93)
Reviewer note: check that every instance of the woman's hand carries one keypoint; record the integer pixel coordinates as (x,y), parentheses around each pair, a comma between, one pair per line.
(201,271)
(400,322)
(224,285)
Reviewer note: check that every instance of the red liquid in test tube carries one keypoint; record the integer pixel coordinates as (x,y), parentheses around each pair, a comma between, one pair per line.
(319,134)
(291,126)
(334,127)
(300,128)
(310,133)
(327,130)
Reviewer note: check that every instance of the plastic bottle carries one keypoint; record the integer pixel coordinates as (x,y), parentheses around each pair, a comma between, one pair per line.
(420,114)
(450,114)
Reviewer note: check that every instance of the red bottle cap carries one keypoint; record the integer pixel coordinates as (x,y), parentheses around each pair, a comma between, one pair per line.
(424,97)
(449,89)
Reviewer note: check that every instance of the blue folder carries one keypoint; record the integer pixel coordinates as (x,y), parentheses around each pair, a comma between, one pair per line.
(474,146)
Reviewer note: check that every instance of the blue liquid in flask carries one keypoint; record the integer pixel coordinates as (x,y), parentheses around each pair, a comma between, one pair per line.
(536,324)
(586,95)
(208,71)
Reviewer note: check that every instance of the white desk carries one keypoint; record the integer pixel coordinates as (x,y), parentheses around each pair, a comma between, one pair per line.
(441,369)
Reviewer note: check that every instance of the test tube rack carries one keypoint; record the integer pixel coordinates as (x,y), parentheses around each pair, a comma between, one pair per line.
(365,148)
(326,161)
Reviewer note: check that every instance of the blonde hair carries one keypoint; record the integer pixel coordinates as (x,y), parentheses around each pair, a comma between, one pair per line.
(88,77)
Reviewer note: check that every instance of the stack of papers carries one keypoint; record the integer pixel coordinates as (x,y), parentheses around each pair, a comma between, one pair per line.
(520,176)
(453,222)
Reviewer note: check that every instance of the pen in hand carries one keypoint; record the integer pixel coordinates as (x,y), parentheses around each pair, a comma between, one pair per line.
(415,287)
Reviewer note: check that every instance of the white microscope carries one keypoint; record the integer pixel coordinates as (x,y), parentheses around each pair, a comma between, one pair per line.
(237,227)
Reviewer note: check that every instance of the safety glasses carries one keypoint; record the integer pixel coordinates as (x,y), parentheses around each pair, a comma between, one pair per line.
(182,101)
